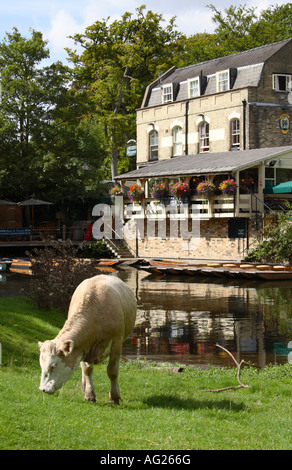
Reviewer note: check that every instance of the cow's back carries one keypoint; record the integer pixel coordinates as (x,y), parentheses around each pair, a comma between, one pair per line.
(106,304)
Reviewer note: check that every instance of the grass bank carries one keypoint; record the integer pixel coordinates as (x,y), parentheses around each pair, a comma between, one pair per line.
(160,409)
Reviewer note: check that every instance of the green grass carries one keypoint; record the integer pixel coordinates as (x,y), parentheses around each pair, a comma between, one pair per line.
(160,409)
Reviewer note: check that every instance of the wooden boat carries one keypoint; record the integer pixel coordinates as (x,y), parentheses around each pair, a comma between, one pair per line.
(21,265)
(108,262)
(252,271)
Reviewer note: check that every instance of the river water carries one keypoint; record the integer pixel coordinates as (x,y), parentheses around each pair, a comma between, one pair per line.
(180,319)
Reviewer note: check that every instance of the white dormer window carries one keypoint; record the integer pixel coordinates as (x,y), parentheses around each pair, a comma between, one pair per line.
(223,80)
(194,87)
(282,82)
(167,93)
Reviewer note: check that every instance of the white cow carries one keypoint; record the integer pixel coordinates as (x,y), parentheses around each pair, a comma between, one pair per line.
(101,316)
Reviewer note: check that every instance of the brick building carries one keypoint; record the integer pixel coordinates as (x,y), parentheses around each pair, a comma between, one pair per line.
(225,118)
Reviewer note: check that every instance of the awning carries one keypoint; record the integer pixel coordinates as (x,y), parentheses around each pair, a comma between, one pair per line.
(206,163)
(283,188)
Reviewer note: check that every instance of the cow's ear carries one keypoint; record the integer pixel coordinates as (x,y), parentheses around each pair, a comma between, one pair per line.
(66,347)
(40,344)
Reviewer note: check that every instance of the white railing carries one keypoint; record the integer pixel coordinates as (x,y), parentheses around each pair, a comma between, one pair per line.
(197,208)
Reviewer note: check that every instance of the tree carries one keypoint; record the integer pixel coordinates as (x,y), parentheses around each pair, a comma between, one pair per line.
(119,60)
(274,243)
(29,97)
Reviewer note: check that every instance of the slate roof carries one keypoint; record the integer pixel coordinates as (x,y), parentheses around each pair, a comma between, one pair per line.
(249,65)
(205,163)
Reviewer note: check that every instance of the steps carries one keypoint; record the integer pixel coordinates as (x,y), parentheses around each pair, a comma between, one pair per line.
(119,248)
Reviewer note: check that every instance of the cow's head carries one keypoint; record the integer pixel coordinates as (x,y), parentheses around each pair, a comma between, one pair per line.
(58,362)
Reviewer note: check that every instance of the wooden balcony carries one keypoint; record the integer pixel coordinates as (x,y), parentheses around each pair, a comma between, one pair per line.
(196,208)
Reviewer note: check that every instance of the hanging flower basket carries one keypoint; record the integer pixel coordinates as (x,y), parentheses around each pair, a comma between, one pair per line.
(116,191)
(180,191)
(228,187)
(136,193)
(158,191)
(206,189)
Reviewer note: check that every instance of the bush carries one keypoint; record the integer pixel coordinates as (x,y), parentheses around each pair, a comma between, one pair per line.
(57,272)
(274,242)
(97,249)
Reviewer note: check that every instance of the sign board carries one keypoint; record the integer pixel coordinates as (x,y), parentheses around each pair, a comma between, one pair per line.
(131,151)
(237,228)
(8,232)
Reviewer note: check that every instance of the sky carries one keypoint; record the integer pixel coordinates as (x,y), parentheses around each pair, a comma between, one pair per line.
(58,19)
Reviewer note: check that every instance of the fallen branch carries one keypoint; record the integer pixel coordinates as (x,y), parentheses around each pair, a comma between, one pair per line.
(241,384)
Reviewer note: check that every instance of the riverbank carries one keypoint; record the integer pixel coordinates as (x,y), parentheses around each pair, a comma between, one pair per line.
(162,409)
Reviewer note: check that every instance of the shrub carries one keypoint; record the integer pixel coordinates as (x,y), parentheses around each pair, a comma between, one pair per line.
(57,272)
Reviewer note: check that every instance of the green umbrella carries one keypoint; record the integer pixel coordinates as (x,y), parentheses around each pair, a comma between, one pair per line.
(283,188)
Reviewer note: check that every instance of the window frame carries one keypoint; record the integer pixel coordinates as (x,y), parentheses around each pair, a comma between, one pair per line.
(235,133)
(204,139)
(177,131)
(165,94)
(219,82)
(153,147)
(288,82)
(190,81)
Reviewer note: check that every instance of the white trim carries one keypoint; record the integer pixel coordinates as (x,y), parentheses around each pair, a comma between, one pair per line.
(176,123)
(218,81)
(288,82)
(190,80)
(202,119)
(168,85)
(152,128)
(234,115)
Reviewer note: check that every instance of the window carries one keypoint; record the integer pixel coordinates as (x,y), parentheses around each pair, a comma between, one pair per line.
(153,145)
(270,177)
(223,83)
(194,87)
(235,133)
(282,82)
(177,140)
(167,94)
(204,137)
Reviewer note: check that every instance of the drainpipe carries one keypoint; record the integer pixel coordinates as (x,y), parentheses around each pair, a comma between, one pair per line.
(186,127)
(244,124)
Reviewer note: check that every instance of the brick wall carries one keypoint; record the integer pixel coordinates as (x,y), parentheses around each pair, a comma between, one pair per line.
(213,243)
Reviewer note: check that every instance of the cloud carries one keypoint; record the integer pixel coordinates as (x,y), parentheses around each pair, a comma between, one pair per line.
(62,25)
(195,21)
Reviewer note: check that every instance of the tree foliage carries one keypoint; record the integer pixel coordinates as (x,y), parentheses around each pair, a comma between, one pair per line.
(274,243)
(65,129)
(119,60)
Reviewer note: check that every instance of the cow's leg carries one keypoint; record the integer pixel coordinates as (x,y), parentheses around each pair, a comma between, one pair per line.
(113,371)
(87,384)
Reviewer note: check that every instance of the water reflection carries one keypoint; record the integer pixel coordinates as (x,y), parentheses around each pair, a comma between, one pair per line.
(182,319)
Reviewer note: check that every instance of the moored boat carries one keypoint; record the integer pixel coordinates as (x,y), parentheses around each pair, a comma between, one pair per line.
(271,272)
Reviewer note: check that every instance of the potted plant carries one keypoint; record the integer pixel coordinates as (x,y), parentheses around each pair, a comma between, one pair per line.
(135,193)
(116,191)
(228,187)
(180,191)
(158,191)
(206,189)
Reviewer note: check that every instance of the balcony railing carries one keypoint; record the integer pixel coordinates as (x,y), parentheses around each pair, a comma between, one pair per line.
(196,208)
